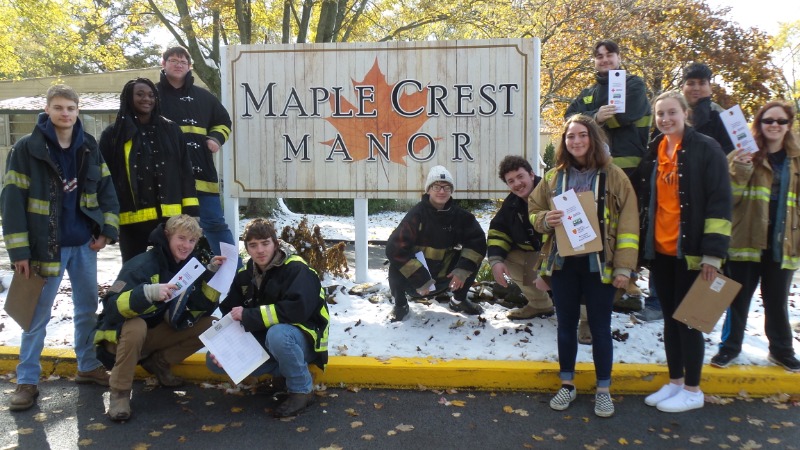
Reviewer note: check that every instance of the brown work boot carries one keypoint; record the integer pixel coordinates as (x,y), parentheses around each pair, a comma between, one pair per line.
(24,397)
(529,312)
(158,366)
(99,375)
(294,404)
(584,333)
(119,405)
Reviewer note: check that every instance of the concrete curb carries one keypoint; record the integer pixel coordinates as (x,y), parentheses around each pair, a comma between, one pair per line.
(418,373)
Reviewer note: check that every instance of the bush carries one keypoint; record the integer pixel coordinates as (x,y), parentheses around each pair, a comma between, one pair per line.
(312,248)
(549,156)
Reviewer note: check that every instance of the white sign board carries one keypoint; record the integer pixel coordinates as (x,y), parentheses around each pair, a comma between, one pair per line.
(370,120)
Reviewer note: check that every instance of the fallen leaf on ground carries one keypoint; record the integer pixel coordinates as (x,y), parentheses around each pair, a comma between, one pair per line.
(236,409)
(367,437)
(169,426)
(459,403)
(213,428)
(404,427)
(95,427)
(622,441)
(25,431)
(155,433)
(356,424)
(84,442)
(698,440)
(351,412)
(377,405)
(330,430)
(301,429)
(141,446)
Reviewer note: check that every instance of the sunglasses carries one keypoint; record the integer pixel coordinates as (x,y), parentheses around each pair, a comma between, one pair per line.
(771,121)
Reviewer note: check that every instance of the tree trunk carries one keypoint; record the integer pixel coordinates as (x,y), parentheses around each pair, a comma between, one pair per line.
(261,207)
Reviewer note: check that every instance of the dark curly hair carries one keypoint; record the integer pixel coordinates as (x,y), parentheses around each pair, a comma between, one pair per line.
(259,228)
(511,163)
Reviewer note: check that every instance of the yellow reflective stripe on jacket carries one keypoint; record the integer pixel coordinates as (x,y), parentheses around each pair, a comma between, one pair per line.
(718,226)
(105,335)
(437,254)
(626,162)
(142,215)
(790,262)
(36,206)
(104,171)
(17,179)
(751,192)
(195,130)
(16,240)
(124,305)
(588,99)
(608,271)
(628,240)
(127,150)
(111,219)
(644,121)
(209,292)
(190,201)
(269,315)
(206,186)
(499,239)
(744,254)
(89,200)
(410,267)
(693,262)
(472,255)
(47,269)
(791,199)
(171,209)
(221,129)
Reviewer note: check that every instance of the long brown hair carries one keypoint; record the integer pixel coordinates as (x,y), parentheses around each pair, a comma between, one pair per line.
(597,156)
(789,142)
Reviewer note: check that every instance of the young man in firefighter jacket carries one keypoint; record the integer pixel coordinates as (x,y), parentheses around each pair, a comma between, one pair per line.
(513,243)
(451,240)
(59,209)
(279,298)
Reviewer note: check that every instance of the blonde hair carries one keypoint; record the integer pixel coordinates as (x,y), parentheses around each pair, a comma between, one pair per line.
(677,95)
(183,222)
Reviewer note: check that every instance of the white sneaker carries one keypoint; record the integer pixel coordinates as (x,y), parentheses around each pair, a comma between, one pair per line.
(682,401)
(666,391)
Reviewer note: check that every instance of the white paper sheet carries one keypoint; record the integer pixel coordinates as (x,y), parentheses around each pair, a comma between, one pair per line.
(574,220)
(188,275)
(739,132)
(616,89)
(221,281)
(237,350)
(421,258)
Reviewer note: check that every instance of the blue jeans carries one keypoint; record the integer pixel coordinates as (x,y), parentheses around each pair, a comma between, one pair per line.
(651,301)
(290,353)
(213,223)
(572,282)
(80,263)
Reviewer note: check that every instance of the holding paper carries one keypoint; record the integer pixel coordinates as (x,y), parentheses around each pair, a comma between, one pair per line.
(236,350)
(576,223)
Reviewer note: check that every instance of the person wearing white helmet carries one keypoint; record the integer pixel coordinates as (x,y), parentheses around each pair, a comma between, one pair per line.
(451,240)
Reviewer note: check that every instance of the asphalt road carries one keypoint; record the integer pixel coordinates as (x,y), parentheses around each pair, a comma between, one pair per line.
(70,416)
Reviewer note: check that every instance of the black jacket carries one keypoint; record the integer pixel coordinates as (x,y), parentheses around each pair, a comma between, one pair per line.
(174,181)
(511,229)
(201,116)
(441,235)
(705,196)
(706,120)
(290,293)
(627,132)
(125,299)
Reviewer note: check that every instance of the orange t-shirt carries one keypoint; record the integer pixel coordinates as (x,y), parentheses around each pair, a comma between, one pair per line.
(668,203)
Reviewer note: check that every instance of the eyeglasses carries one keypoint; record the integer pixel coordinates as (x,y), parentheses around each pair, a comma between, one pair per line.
(770,121)
(178,62)
(442,187)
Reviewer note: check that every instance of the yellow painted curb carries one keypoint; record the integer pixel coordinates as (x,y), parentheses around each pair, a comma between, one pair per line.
(756,381)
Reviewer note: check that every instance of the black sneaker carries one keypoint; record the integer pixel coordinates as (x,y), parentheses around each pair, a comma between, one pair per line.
(723,359)
(789,363)
(466,306)
(399,313)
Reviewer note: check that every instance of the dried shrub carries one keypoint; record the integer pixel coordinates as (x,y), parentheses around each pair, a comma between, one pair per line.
(311,246)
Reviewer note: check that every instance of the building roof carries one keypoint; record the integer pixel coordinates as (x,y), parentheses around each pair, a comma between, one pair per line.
(105,102)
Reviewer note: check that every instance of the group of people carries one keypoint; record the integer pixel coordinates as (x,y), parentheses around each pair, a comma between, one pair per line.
(669,199)
(150,182)
(676,199)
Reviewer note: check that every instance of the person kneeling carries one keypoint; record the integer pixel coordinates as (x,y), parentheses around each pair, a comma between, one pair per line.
(279,298)
(139,319)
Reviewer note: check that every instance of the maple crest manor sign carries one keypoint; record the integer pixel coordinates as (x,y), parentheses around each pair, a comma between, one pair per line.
(370,120)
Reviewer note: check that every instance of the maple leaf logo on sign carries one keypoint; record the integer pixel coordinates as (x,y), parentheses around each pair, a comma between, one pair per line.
(382,121)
